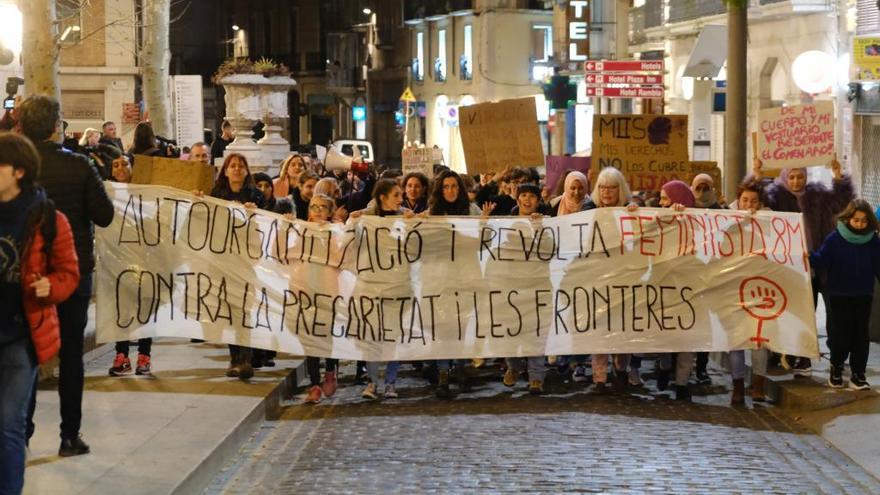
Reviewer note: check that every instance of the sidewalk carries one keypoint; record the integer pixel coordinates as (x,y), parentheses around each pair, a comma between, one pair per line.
(168,433)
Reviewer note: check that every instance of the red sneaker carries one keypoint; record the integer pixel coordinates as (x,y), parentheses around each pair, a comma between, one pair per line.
(329,385)
(143,366)
(314,395)
(121,365)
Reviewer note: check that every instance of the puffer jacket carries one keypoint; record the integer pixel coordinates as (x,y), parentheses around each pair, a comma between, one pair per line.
(75,187)
(62,270)
(819,204)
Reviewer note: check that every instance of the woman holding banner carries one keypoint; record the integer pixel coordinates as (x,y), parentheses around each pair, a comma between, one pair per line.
(387,202)
(820,206)
(235,183)
(449,197)
(572,199)
(611,190)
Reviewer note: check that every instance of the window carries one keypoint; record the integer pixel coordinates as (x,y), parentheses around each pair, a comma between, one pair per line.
(466,64)
(440,62)
(418,63)
(69,15)
(542,51)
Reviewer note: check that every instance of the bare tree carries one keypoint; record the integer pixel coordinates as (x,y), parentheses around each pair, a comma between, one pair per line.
(155,59)
(39,50)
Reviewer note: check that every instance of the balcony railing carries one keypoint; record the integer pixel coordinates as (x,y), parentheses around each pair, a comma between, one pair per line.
(420,9)
(686,10)
(637,26)
(653,13)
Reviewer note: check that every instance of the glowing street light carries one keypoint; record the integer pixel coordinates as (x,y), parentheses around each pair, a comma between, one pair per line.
(10,27)
(235,27)
(367,11)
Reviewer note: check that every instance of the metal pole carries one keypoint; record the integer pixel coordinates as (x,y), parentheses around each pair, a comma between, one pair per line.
(736,115)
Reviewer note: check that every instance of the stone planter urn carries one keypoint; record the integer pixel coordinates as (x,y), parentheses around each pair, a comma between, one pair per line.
(250,98)
(275,111)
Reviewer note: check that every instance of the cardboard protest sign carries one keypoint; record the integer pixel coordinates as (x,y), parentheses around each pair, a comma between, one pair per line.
(182,174)
(650,150)
(419,160)
(378,289)
(557,165)
(796,136)
(499,135)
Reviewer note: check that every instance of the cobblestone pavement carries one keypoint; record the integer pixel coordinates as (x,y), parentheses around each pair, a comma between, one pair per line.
(494,440)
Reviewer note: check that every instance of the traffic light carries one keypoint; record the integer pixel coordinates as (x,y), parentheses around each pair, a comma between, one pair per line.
(560,92)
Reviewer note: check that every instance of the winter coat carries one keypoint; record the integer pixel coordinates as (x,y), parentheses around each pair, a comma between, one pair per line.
(819,205)
(75,187)
(62,270)
(851,268)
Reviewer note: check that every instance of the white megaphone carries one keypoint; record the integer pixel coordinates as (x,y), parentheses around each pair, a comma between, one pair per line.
(337,161)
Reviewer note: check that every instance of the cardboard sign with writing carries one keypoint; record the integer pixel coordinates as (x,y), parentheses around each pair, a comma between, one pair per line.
(182,174)
(796,136)
(419,160)
(650,150)
(499,135)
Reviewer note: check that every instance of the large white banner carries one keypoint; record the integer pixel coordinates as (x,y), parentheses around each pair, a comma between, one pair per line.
(603,281)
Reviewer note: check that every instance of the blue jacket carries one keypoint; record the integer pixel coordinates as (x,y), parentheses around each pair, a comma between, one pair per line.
(850,268)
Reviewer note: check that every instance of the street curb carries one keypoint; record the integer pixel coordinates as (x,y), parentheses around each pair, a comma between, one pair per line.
(809,394)
(269,408)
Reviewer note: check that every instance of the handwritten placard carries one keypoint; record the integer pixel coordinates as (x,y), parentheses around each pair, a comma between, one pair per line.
(650,150)
(499,135)
(796,136)
(419,160)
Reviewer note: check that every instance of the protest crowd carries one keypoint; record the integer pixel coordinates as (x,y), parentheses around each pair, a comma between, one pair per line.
(52,198)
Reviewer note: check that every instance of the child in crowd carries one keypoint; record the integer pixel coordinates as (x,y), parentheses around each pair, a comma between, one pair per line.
(321,207)
(528,197)
(850,258)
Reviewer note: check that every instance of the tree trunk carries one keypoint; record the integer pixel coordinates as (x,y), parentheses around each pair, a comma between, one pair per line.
(39,49)
(155,59)
(736,116)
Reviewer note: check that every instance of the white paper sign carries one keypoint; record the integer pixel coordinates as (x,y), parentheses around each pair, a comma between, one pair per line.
(189,116)
(601,281)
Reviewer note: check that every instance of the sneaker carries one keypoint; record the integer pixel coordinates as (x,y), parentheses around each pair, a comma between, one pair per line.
(857,382)
(580,374)
(314,396)
(703,377)
(634,379)
(803,367)
(443,385)
(329,385)
(269,362)
(370,392)
(121,365)
(143,365)
(360,374)
(509,377)
(246,371)
(536,387)
(835,378)
(72,447)
(478,362)
(600,388)
(390,391)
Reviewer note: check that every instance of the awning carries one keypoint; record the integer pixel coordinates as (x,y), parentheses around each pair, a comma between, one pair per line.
(709,54)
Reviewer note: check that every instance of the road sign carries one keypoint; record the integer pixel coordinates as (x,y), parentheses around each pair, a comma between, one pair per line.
(623,78)
(408,96)
(623,65)
(635,92)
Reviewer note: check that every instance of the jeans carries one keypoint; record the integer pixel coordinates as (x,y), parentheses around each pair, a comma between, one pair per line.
(445,364)
(534,364)
(848,336)
(18,370)
(738,363)
(73,315)
(144,346)
(390,371)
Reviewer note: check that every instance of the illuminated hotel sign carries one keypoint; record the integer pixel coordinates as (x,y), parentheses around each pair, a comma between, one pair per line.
(577,34)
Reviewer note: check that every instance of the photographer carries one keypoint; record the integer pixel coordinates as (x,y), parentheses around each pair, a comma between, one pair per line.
(146,143)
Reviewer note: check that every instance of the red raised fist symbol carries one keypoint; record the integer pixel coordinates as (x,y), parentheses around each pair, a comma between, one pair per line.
(762,298)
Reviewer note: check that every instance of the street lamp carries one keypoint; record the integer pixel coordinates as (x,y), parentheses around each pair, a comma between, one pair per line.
(367,11)
(235,27)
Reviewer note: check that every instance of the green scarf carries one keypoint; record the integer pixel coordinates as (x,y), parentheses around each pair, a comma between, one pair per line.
(844,230)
